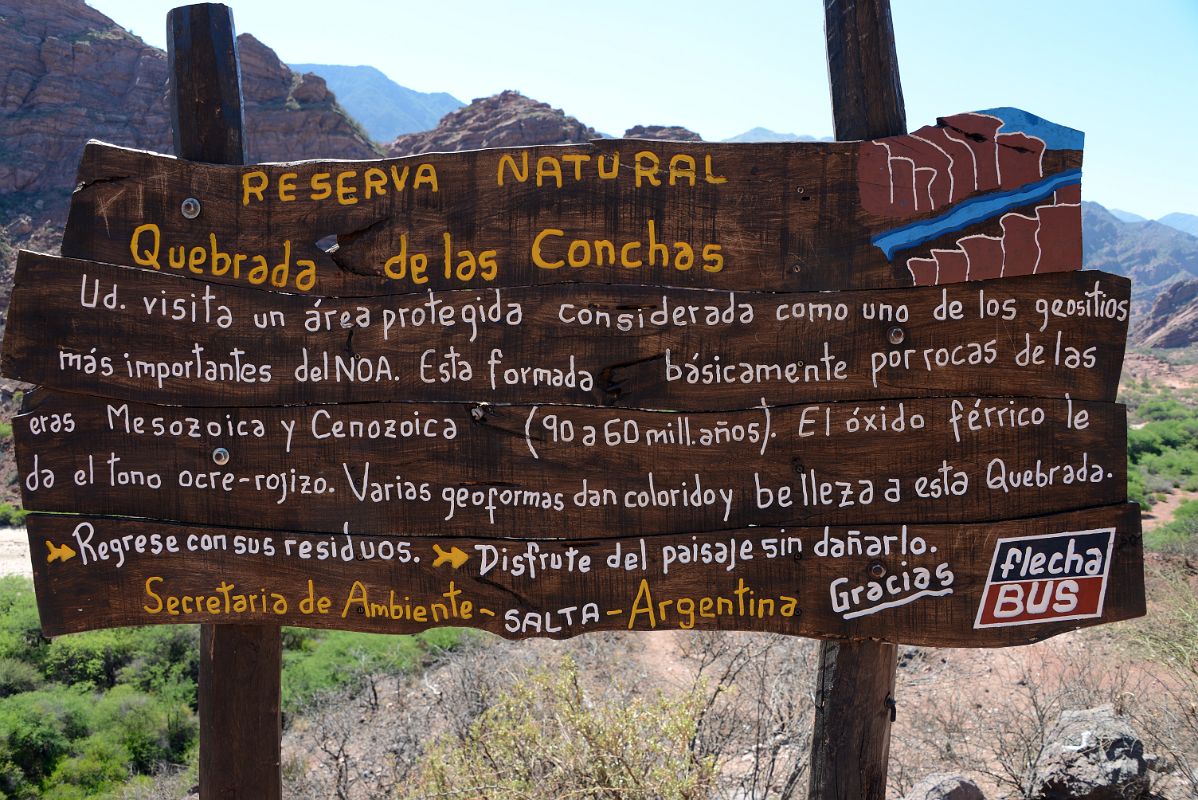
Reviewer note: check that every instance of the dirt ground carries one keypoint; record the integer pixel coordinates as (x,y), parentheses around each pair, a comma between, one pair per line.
(14,553)
(1137,366)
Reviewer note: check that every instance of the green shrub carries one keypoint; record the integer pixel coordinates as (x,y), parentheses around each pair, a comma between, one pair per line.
(164,659)
(13,782)
(99,765)
(37,728)
(11,516)
(1163,408)
(1180,535)
(548,738)
(1136,490)
(149,729)
(20,628)
(93,659)
(322,661)
(17,676)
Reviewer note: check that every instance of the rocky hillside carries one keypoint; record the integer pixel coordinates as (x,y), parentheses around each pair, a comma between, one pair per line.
(291,117)
(384,108)
(662,133)
(508,119)
(68,74)
(1173,320)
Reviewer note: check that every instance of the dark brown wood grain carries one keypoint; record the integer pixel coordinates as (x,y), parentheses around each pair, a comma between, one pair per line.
(570,472)
(241,665)
(204,88)
(854,691)
(863,70)
(791,216)
(112,589)
(1042,335)
(850,743)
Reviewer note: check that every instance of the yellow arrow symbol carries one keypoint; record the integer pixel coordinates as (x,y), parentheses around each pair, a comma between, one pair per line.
(455,557)
(60,553)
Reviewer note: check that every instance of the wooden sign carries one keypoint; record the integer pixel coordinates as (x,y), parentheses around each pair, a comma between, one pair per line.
(981,195)
(572,472)
(913,584)
(551,390)
(160,337)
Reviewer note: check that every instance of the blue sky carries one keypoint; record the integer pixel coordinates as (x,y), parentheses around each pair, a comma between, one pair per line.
(1126,73)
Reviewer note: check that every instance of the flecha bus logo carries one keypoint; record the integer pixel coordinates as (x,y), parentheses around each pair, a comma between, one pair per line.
(1049,578)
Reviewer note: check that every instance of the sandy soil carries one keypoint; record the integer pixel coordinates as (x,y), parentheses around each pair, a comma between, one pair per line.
(14,553)
(1163,511)
(1138,366)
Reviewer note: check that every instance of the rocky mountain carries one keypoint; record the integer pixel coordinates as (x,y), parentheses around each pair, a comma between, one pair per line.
(1151,254)
(384,108)
(663,133)
(68,74)
(507,119)
(1173,320)
(290,117)
(1186,223)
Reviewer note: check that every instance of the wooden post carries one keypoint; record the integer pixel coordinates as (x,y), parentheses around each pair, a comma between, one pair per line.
(850,747)
(867,96)
(240,665)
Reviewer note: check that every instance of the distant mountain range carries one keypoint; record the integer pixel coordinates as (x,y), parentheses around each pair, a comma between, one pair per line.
(1161,258)
(1154,255)
(1186,223)
(383,107)
(1126,216)
(766,135)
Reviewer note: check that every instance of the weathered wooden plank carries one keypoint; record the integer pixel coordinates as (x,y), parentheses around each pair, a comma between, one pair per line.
(115,331)
(788,216)
(568,472)
(926,590)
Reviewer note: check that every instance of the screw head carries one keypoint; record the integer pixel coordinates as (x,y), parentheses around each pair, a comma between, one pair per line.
(877,569)
(477,414)
(221,456)
(190,208)
(797,268)
(896,335)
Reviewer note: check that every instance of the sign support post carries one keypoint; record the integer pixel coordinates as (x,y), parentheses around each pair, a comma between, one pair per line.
(850,746)
(240,665)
